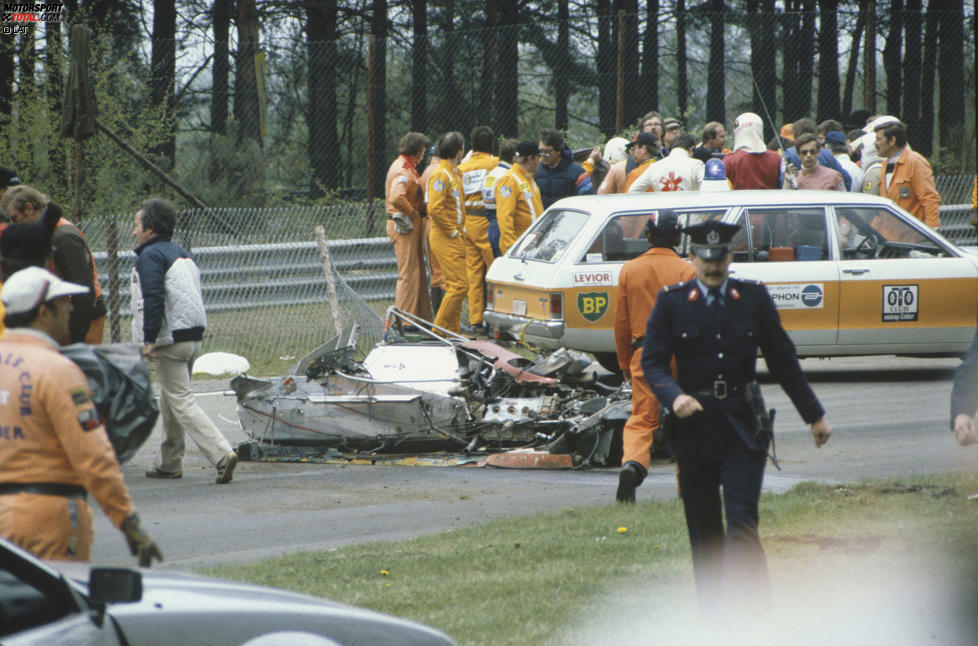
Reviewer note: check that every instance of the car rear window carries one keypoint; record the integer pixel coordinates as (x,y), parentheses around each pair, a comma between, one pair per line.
(550,236)
(623,236)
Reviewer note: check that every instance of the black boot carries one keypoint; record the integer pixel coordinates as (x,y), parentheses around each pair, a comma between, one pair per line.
(629,478)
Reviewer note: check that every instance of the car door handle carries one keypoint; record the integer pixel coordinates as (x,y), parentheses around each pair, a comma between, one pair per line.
(518,277)
(860,270)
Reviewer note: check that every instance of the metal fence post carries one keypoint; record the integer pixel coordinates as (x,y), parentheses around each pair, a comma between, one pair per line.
(112,253)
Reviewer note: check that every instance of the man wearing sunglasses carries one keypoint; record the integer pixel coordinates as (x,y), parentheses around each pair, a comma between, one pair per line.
(812,175)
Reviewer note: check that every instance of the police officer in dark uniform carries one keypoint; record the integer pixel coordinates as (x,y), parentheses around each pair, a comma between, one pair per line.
(713,325)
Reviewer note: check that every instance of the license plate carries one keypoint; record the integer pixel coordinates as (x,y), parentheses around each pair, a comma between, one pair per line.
(519,308)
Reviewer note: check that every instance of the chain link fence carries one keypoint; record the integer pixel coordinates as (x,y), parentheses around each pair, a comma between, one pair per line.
(263,273)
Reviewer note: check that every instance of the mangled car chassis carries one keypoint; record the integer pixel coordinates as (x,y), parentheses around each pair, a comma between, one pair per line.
(423,389)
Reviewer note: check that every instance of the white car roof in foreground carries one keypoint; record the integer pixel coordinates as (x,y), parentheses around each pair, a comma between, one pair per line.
(696,199)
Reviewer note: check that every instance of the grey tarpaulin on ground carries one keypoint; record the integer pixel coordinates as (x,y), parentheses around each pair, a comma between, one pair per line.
(78,104)
(122,391)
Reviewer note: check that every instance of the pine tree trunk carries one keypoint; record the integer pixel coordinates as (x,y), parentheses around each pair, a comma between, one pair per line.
(321,115)
(561,85)
(913,24)
(163,66)
(715,84)
(507,81)
(892,58)
(951,68)
(650,57)
(828,60)
(220,69)
(607,53)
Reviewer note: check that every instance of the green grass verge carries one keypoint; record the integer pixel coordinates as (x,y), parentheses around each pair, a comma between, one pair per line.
(531,580)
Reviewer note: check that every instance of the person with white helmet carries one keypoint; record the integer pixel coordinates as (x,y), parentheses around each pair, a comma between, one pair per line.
(615,150)
(616,154)
(751,165)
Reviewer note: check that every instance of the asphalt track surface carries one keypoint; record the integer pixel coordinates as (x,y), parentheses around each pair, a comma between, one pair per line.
(889,417)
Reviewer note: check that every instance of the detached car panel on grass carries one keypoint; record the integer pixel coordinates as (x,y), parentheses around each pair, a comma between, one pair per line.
(851,274)
(44,603)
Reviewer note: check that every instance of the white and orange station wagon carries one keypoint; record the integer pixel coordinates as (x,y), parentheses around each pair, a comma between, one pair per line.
(851,274)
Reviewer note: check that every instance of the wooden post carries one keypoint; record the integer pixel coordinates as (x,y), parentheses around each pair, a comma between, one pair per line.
(334,301)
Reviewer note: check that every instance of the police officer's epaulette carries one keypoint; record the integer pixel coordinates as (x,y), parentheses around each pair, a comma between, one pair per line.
(675,286)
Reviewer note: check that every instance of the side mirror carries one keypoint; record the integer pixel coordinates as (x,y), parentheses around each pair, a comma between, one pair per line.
(114,585)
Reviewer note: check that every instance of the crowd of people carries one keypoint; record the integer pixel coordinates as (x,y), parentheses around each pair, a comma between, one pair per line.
(469,207)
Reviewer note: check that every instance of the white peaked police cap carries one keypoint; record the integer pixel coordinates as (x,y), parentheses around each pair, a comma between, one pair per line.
(31,286)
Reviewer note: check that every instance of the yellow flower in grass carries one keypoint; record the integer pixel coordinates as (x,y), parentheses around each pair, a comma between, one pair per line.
(384,573)
(622,529)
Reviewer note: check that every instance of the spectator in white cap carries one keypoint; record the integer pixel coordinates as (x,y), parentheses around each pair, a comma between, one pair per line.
(751,165)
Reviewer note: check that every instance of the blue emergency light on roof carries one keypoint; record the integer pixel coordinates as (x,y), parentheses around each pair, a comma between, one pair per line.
(714,170)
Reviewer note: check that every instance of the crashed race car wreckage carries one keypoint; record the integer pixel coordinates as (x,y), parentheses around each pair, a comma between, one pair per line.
(423,389)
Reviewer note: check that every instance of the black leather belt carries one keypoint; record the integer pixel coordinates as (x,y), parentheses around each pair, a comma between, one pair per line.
(721,390)
(44,488)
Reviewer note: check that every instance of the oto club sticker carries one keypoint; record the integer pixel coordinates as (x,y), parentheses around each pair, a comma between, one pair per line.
(592,305)
(798,296)
(900,303)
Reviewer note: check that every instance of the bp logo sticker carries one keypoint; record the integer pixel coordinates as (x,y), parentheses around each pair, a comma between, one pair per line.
(592,305)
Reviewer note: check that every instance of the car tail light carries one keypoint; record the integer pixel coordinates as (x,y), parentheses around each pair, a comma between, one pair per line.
(490,297)
(557,306)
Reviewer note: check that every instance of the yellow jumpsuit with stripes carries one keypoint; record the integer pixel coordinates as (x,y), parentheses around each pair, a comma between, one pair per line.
(478,253)
(518,204)
(446,208)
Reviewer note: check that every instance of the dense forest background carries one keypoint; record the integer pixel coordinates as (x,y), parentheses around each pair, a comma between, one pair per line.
(270,102)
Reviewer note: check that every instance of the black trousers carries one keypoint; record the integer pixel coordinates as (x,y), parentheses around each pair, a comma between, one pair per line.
(726,564)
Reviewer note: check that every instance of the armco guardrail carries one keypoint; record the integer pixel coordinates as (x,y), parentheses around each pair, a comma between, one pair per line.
(239,277)
(956,224)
